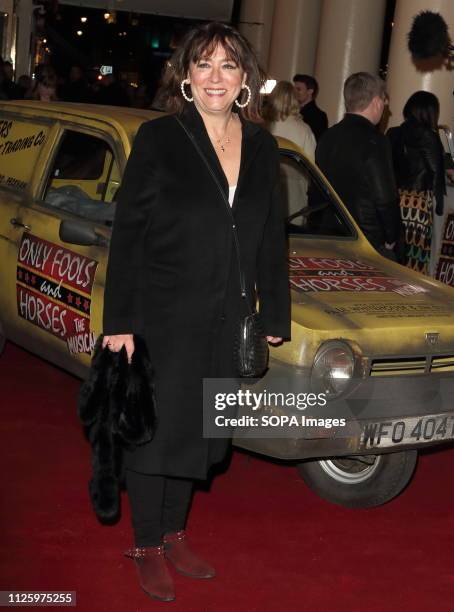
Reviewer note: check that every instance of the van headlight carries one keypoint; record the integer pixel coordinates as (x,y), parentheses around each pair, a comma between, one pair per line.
(333,368)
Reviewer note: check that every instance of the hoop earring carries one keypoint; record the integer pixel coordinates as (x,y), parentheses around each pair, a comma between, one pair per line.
(248,99)
(185,95)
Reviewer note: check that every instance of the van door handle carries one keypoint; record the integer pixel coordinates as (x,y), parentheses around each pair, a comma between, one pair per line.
(16,223)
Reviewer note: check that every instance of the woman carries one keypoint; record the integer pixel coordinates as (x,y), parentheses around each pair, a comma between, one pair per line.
(419,169)
(173,275)
(283,115)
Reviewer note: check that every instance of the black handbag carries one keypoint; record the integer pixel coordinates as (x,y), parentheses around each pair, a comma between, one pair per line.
(251,346)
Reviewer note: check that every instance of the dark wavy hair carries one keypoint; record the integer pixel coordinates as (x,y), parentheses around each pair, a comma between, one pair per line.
(201,41)
(424,107)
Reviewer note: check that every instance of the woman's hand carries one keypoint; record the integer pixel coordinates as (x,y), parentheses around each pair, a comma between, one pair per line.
(114,343)
(274,339)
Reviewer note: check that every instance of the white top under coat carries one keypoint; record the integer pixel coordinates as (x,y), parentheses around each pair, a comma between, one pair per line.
(231,193)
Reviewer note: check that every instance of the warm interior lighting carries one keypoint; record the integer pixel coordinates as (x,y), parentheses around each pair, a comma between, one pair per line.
(270,84)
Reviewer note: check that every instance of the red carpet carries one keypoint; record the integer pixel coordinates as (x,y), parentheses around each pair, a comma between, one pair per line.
(276,546)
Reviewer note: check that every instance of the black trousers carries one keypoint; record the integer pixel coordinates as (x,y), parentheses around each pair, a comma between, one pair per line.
(159,505)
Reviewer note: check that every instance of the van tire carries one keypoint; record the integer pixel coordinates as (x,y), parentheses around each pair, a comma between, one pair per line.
(360,481)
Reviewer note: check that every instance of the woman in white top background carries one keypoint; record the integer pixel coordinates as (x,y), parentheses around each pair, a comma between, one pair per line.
(284,119)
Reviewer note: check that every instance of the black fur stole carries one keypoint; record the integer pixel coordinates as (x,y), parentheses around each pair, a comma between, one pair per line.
(117,406)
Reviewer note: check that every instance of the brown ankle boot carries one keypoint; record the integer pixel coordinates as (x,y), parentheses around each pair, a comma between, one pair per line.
(183,558)
(154,575)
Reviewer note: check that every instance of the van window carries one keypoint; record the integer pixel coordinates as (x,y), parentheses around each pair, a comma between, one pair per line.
(309,206)
(84,177)
(20,144)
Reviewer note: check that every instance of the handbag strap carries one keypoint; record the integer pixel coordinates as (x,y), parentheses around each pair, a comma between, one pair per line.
(228,207)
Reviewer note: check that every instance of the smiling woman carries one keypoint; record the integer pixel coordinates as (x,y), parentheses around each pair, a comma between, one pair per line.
(183,269)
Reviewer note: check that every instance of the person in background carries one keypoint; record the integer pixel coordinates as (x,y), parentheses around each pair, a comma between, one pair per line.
(45,86)
(76,89)
(306,88)
(418,158)
(284,119)
(12,90)
(112,92)
(357,161)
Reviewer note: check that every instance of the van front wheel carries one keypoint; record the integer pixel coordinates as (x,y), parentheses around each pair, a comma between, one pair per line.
(360,481)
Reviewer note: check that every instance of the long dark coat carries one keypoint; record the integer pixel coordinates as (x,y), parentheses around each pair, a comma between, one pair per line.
(173,275)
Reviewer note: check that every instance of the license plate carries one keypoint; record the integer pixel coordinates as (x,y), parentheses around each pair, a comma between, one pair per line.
(406,431)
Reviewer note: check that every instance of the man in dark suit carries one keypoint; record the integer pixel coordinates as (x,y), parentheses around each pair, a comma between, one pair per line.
(356,159)
(306,88)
